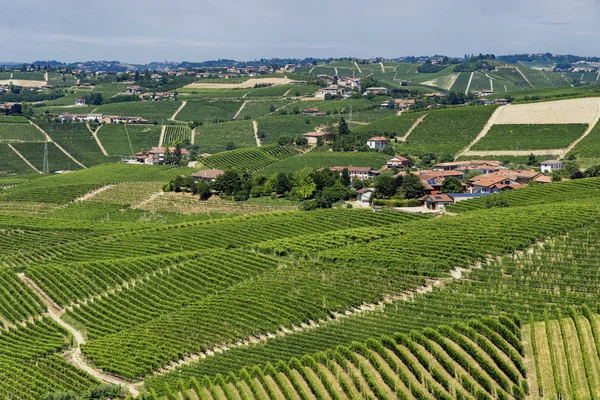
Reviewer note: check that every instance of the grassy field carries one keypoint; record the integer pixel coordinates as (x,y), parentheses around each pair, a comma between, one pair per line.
(530,137)
(214,138)
(29,76)
(20,133)
(589,147)
(447,130)
(153,111)
(57,160)
(257,109)
(126,140)
(390,127)
(314,160)
(251,159)
(209,112)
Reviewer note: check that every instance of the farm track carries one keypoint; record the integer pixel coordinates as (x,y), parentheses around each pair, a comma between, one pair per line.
(382,67)
(255,126)
(183,104)
(49,139)
(469,84)
(241,108)
(74,356)
(412,128)
(95,135)
(91,194)
(484,131)
(162,135)
(524,77)
(360,71)
(22,157)
(150,199)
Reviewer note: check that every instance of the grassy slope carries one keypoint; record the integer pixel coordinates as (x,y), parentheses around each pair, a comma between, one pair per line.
(530,137)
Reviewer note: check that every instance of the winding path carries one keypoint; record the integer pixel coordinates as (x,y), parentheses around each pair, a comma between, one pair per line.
(412,128)
(484,131)
(469,84)
(255,126)
(74,356)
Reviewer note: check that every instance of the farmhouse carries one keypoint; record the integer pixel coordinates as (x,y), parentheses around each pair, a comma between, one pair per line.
(80,102)
(357,172)
(377,142)
(482,93)
(313,137)
(398,162)
(133,89)
(364,195)
(493,184)
(66,117)
(468,164)
(156,156)
(118,119)
(376,90)
(207,175)
(436,201)
(551,165)
(436,94)
(404,103)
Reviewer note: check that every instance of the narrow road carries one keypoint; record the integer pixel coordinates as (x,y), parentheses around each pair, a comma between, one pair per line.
(524,77)
(22,157)
(193,136)
(412,128)
(469,84)
(255,126)
(96,138)
(183,103)
(484,131)
(46,77)
(49,139)
(240,109)
(336,71)
(92,193)
(74,356)
(382,67)
(162,135)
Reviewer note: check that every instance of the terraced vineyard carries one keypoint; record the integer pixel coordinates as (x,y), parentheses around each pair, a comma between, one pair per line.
(177,134)
(253,159)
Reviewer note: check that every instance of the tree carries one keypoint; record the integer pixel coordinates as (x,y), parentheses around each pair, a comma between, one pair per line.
(272,108)
(345,177)
(452,185)
(281,183)
(285,140)
(412,187)
(230,146)
(384,185)
(343,128)
(532,160)
(304,185)
(593,171)
(229,183)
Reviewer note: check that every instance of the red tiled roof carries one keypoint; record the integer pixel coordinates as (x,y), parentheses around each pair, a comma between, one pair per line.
(377,138)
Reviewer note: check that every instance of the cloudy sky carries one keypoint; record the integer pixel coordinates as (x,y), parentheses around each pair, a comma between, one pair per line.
(140,31)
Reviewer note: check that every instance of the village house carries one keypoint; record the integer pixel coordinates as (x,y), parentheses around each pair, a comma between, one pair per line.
(364,196)
(207,175)
(133,89)
(313,137)
(493,184)
(549,166)
(376,90)
(404,103)
(361,173)
(436,94)
(377,142)
(467,164)
(482,93)
(436,201)
(156,156)
(80,102)
(66,117)
(398,162)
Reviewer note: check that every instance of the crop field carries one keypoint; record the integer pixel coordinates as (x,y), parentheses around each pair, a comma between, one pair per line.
(480,82)
(177,134)
(251,159)
(573,111)
(214,138)
(57,160)
(396,126)
(316,160)
(530,137)
(273,127)
(10,163)
(77,140)
(321,69)
(589,147)
(9,119)
(132,193)
(460,85)
(56,79)
(29,76)
(257,109)
(153,111)
(209,112)
(126,140)
(20,132)
(369,116)
(447,131)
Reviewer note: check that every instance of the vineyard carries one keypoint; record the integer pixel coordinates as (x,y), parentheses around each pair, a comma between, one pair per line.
(316,160)
(530,137)
(252,159)
(126,140)
(215,138)
(177,134)
(76,139)
(154,111)
(19,132)
(209,112)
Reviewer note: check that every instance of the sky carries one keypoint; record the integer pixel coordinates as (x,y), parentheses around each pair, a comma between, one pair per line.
(141,31)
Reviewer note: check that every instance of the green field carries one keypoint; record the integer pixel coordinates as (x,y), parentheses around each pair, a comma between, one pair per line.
(77,140)
(29,76)
(530,137)
(57,160)
(214,138)
(209,112)
(257,109)
(447,131)
(251,159)
(272,128)
(177,134)
(126,140)
(10,163)
(390,127)
(314,160)
(20,133)
(153,111)
(589,147)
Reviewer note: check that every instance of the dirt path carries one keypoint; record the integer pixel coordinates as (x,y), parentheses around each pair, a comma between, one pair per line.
(312,69)
(484,131)
(360,71)
(91,194)
(46,76)
(150,199)
(382,67)
(336,71)
(505,88)
(255,126)
(193,136)
(74,356)
(183,103)
(286,93)
(162,135)
(598,77)
(469,84)
(412,128)
(241,108)
(49,139)
(524,77)
(22,157)
(96,138)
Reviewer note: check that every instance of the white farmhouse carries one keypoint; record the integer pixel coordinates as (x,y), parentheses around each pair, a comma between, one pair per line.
(377,142)
(551,165)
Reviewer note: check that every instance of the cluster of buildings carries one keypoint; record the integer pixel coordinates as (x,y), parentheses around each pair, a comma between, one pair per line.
(155,156)
(101,118)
